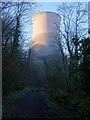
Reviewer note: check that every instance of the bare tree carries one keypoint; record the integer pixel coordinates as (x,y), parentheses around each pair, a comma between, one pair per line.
(73,23)
(73,28)
(14,16)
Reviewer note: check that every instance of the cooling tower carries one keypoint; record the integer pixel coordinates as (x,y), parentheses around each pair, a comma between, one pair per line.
(46,57)
(45,33)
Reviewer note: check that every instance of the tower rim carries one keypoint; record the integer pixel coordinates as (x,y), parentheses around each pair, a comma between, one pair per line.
(45,12)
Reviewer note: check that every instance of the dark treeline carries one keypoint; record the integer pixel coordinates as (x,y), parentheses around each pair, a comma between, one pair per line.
(73,41)
(14,57)
(73,32)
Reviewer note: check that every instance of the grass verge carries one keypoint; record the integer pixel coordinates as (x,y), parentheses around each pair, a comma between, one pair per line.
(77,105)
(54,110)
(11,100)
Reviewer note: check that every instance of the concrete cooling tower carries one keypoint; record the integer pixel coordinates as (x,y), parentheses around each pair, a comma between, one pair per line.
(45,33)
(45,52)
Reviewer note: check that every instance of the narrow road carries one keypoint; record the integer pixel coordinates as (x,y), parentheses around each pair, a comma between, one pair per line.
(31,105)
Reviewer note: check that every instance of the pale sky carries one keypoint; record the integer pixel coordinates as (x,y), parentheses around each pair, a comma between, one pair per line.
(48,6)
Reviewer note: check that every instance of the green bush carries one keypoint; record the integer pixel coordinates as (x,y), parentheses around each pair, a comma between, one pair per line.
(60,96)
(78,105)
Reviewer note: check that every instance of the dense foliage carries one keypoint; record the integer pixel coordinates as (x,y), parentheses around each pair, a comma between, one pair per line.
(15,70)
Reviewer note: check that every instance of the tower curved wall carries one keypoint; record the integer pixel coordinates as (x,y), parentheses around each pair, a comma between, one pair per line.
(46,57)
(45,33)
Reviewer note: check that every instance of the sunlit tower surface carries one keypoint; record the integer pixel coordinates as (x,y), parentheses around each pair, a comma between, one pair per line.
(45,33)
